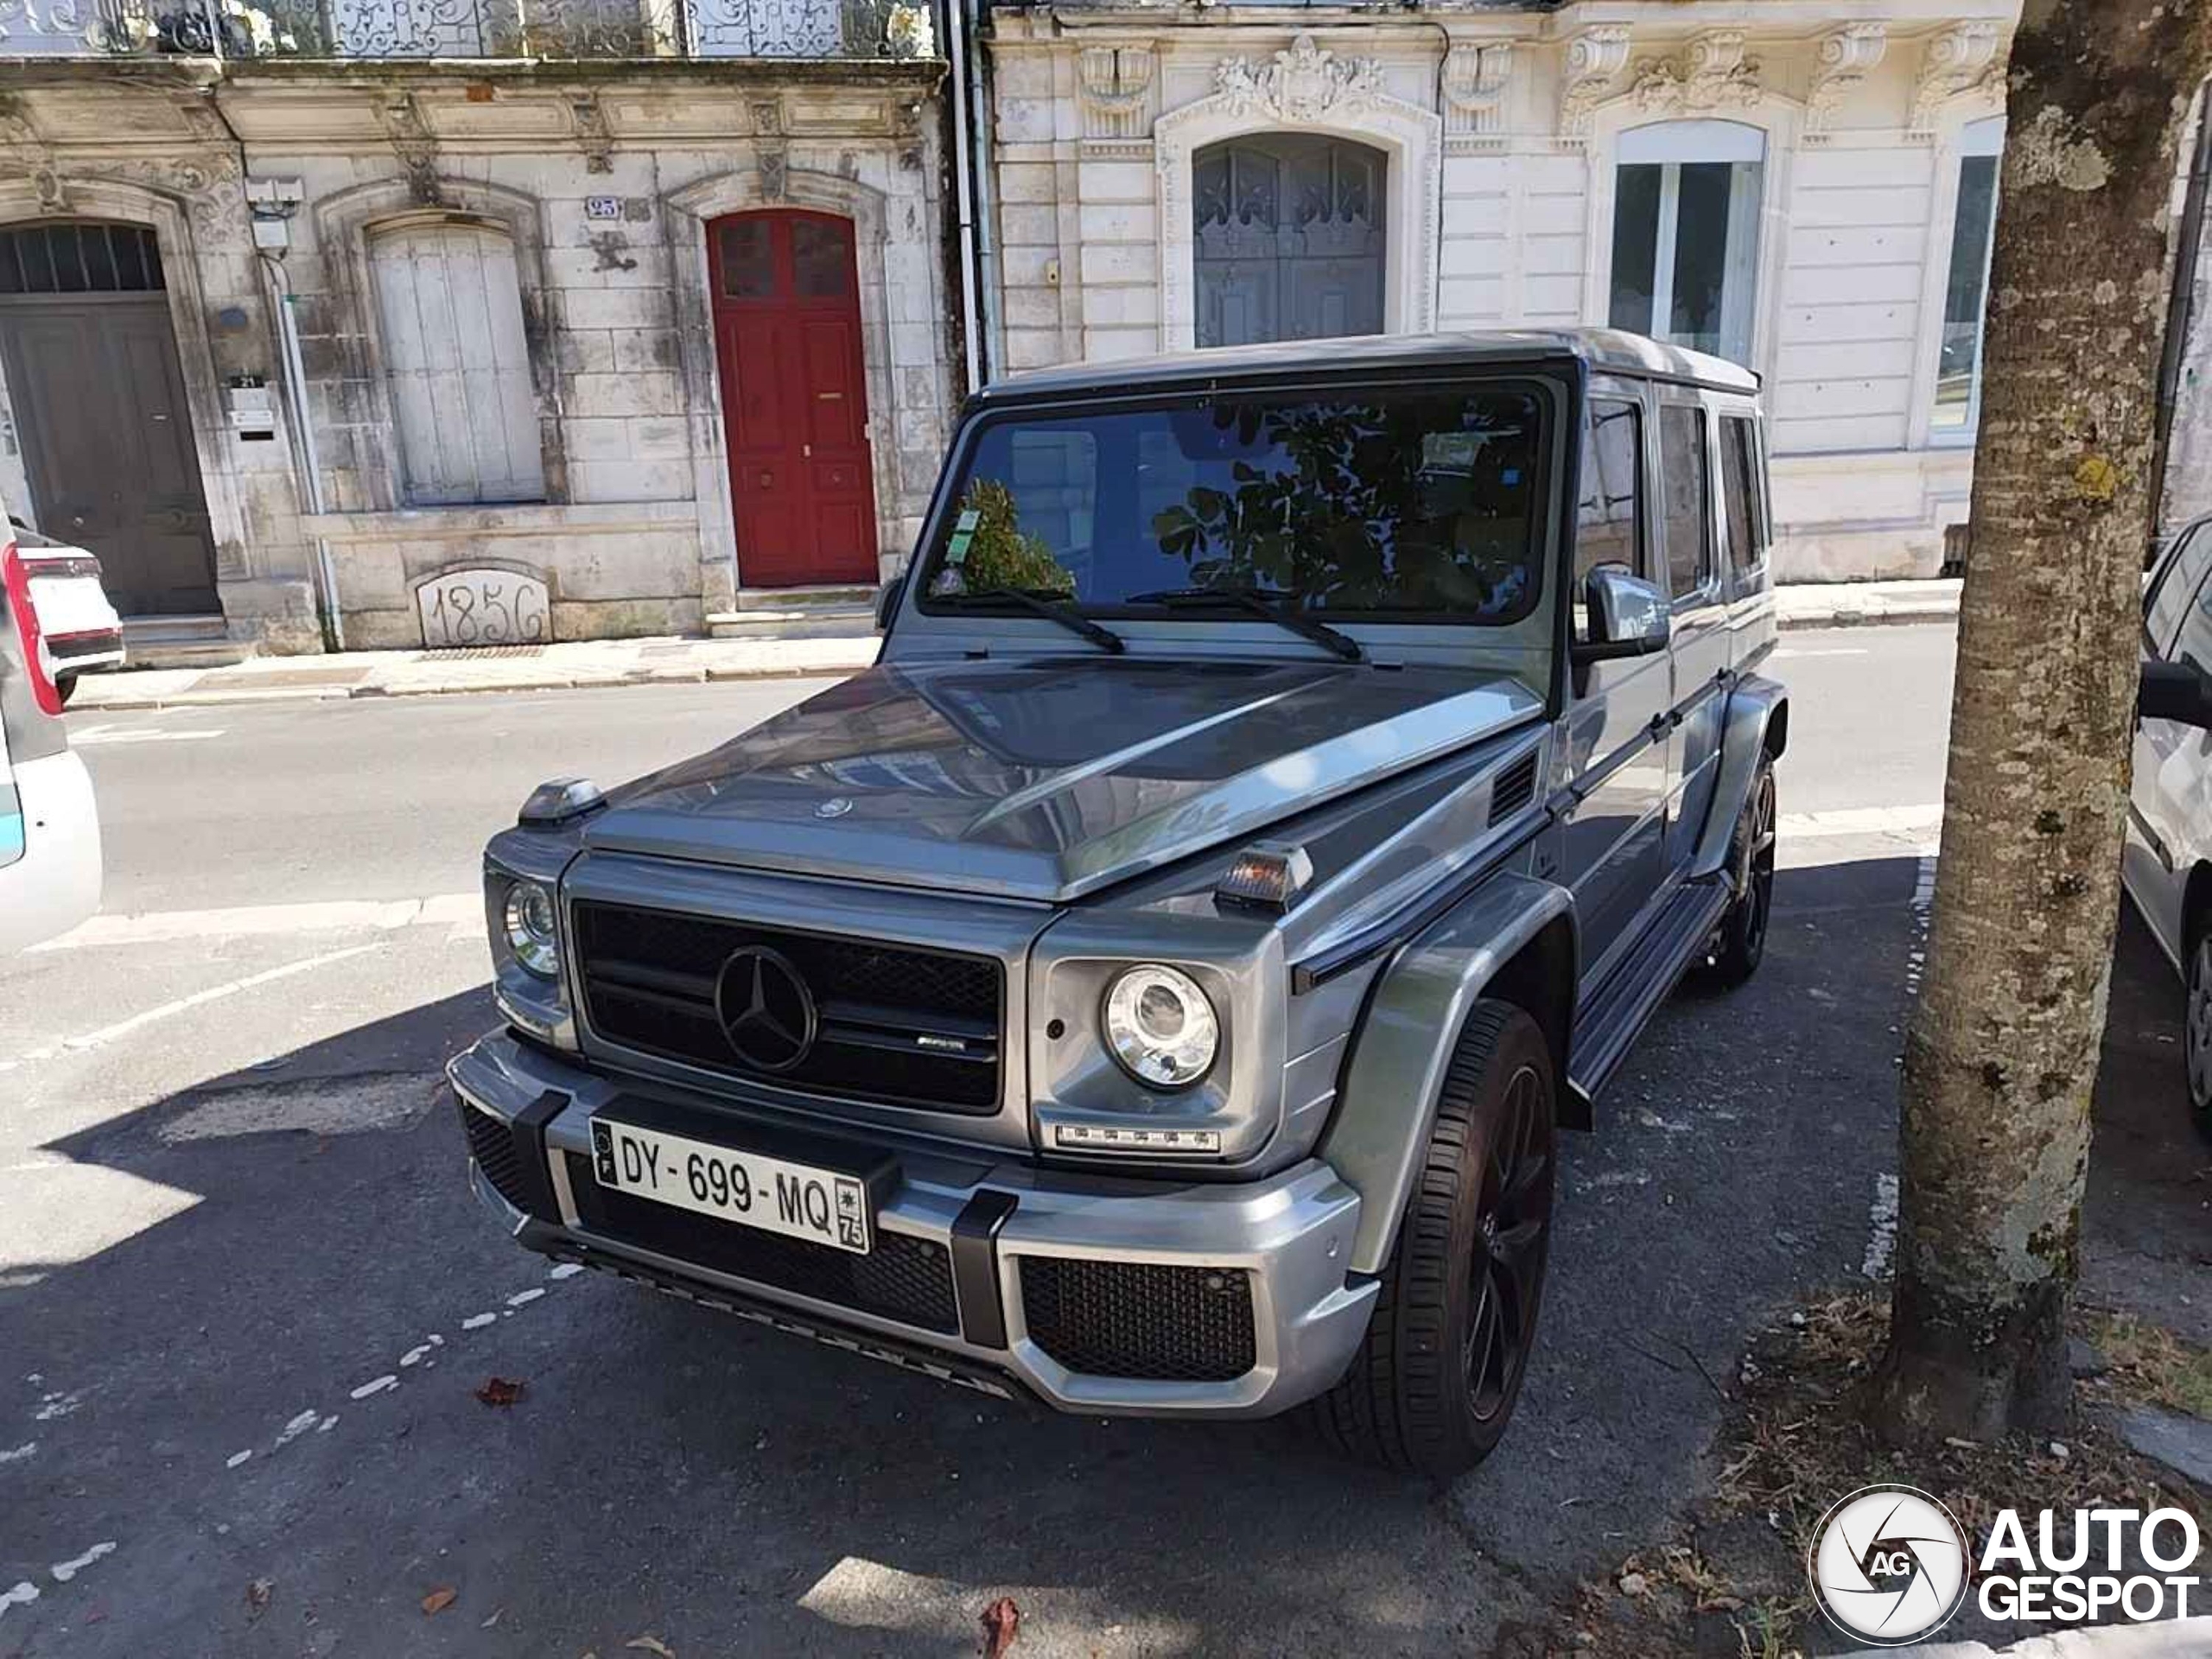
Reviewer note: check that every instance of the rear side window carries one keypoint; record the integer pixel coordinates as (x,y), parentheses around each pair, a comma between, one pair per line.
(1689,510)
(1739,495)
(1609,516)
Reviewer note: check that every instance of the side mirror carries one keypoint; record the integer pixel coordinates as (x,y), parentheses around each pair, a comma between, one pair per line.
(1628,616)
(2179,691)
(887,602)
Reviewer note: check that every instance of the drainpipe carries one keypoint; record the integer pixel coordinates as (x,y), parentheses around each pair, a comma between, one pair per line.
(971,126)
(296,407)
(2181,313)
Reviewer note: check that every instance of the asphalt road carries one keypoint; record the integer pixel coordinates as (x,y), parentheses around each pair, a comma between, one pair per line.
(246,1301)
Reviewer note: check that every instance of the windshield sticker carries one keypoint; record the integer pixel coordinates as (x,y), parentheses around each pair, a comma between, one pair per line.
(963,531)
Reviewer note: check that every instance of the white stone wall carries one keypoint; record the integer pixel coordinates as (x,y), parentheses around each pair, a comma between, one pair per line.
(1503,130)
(636,533)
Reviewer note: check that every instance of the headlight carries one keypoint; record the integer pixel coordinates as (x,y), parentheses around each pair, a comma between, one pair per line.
(1160,1027)
(531,932)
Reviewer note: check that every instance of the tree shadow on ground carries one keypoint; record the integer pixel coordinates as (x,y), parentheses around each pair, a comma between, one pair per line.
(671,1472)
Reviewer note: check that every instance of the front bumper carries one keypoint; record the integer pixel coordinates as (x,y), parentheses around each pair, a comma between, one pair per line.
(1286,1239)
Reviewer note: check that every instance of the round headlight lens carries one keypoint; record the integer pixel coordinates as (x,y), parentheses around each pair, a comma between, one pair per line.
(530,933)
(1160,1027)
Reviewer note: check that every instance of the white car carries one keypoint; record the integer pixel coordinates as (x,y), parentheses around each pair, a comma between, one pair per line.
(49,825)
(82,631)
(2167,867)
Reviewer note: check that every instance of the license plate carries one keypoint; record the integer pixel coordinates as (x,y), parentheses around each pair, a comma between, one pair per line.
(823,1206)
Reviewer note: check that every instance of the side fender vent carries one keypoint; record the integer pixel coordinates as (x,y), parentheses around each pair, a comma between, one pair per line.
(1514,788)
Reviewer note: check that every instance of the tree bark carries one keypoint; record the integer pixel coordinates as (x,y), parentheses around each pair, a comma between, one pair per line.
(2002,1048)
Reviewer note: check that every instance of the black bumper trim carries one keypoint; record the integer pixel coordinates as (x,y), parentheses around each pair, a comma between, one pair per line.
(975,1268)
(530,1140)
(830,1333)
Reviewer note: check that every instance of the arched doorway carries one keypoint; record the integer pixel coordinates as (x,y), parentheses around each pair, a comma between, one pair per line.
(788,347)
(88,352)
(1288,236)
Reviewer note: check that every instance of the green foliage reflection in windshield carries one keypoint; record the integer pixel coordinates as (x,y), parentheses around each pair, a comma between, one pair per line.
(996,552)
(1371,506)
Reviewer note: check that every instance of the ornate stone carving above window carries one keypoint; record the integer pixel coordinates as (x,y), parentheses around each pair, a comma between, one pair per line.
(1475,79)
(1847,55)
(1961,60)
(1713,75)
(1303,84)
(1595,58)
(1117,94)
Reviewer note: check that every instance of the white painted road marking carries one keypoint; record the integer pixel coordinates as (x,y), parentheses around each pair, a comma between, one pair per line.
(247,921)
(93,735)
(1862,821)
(107,1034)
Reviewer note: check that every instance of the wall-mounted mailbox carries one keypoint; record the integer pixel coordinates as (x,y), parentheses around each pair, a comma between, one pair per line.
(252,407)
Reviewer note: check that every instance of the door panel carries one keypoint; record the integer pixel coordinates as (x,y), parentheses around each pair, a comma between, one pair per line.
(787,338)
(107,443)
(1288,239)
(1702,643)
(1615,729)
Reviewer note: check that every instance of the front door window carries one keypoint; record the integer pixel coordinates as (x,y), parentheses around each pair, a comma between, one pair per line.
(1288,234)
(1685,236)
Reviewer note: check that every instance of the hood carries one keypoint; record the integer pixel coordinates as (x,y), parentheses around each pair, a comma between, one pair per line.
(1047,778)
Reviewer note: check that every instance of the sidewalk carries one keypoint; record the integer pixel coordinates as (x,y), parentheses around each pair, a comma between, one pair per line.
(2181,1638)
(656,661)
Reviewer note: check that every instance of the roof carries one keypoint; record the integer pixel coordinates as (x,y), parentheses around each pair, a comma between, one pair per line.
(1601,348)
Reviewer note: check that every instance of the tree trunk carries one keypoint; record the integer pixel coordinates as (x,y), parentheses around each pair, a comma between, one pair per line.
(2002,1049)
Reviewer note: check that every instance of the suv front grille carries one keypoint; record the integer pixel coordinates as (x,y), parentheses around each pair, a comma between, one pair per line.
(897,1025)
(903,1278)
(1131,1319)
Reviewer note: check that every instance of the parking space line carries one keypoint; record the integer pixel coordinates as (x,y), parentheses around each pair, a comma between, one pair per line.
(448,910)
(106,1034)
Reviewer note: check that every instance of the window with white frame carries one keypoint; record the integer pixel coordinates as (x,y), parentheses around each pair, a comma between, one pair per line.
(457,361)
(1686,233)
(1973,228)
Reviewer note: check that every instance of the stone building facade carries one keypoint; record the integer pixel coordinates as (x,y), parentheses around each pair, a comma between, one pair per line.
(353,336)
(1809,189)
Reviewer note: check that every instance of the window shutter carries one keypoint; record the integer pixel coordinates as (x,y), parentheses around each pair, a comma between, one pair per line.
(458,364)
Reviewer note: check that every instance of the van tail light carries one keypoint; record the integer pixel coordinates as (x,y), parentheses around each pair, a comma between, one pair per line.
(17,582)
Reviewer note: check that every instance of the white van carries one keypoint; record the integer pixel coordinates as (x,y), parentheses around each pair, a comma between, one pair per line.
(49,826)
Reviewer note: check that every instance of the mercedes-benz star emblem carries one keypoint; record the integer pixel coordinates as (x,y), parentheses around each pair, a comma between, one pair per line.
(767,1013)
(835,807)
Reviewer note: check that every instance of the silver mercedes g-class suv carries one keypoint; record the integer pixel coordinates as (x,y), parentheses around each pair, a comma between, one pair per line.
(1291,778)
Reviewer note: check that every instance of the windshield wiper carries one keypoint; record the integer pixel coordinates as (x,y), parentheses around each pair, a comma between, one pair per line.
(1040,602)
(1258,602)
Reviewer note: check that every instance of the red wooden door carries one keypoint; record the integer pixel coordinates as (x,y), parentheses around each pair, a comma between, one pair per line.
(787,337)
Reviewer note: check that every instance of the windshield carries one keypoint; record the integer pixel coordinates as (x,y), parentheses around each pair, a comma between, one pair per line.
(1410,502)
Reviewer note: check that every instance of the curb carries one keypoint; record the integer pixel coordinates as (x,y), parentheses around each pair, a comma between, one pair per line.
(722,673)
(2178,1639)
(218,697)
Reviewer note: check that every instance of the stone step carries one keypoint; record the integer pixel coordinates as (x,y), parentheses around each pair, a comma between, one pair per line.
(787,599)
(182,642)
(794,622)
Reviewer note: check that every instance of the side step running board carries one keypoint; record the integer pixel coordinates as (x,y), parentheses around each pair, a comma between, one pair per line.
(1608,1024)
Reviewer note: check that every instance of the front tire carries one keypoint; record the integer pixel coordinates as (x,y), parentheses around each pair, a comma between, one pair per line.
(1435,1380)
(2196,1030)
(1739,943)
(65,687)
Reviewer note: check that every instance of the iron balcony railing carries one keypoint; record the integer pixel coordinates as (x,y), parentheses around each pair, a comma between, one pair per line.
(348,30)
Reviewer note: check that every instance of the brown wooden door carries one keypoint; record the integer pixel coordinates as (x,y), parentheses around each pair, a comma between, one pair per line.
(787,338)
(107,443)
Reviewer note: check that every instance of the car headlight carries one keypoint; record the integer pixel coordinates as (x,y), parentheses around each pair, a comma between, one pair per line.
(1160,1027)
(531,934)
